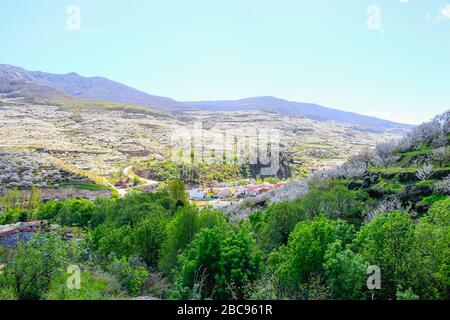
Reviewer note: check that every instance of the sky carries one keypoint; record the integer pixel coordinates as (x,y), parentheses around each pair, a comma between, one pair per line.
(386,58)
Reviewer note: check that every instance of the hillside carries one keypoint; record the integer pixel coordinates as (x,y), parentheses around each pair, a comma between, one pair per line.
(300,109)
(43,85)
(95,88)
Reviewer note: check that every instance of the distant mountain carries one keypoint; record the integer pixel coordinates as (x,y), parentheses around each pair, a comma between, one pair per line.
(16,81)
(95,88)
(300,109)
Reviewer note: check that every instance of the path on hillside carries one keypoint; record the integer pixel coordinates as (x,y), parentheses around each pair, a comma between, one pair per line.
(128,172)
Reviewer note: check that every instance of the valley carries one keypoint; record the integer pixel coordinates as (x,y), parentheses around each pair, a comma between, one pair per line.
(99,143)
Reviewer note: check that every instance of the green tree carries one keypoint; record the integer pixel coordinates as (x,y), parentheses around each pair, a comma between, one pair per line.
(279,221)
(431,253)
(239,265)
(338,203)
(149,236)
(213,218)
(48,211)
(219,265)
(114,241)
(34,264)
(303,256)
(177,189)
(34,199)
(199,264)
(386,242)
(76,212)
(132,208)
(12,200)
(180,232)
(345,272)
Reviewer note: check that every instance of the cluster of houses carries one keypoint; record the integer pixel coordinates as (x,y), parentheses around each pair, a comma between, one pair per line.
(227,192)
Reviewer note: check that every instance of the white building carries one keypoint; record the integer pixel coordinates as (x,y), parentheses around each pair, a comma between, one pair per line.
(197,194)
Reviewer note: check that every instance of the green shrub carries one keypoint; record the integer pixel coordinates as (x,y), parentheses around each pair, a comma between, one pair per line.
(386,242)
(304,255)
(131,274)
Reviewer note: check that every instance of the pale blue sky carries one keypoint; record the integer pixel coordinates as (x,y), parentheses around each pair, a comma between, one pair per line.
(317,51)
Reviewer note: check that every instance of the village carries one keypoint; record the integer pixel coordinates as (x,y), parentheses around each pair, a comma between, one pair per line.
(233,191)
(247,188)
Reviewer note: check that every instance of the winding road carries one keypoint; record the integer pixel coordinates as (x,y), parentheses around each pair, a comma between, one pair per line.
(127,172)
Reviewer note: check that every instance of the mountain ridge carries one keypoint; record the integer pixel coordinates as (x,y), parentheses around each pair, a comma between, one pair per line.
(38,84)
(293,108)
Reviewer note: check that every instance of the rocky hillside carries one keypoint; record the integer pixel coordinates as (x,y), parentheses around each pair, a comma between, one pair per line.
(411,173)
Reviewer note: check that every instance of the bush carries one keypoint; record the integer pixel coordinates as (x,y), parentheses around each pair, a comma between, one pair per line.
(76,212)
(219,265)
(386,242)
(149,236)
(34,264)
(406,294)
(431,253)
(181,230)
(131,274)
(345,272)
(278,222)
(304,255)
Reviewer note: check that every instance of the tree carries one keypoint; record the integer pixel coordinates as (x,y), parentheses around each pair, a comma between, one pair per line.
(35,263)
(303,256)
(132,208)
(386,242)
(48,211)
(425,172)
(219,265)
(279,221)
(34,199)
(384,154)
(180,232)
(443,187)
(177,189)
(213,219)
(113,241)
(12,200)
(431,253)
(338,203)
(199,264)
(149,236)
(76,212)
(239,266)
(345,272)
